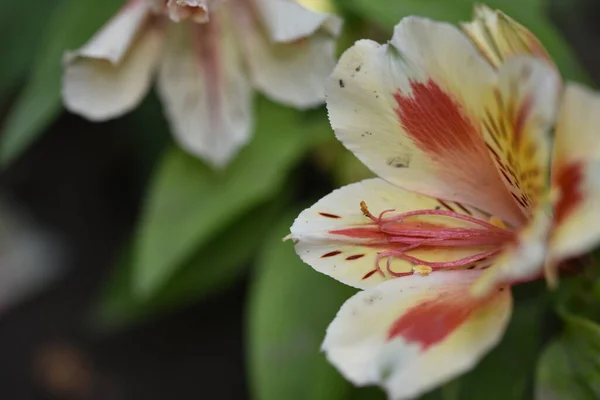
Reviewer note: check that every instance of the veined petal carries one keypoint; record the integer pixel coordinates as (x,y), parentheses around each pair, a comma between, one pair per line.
(111,74)
(207,98)
(520,114)
(288,21)
(499,37)
(293,73)
(337,239)
(412,334)
(412,111)
(522,260)
(576,175)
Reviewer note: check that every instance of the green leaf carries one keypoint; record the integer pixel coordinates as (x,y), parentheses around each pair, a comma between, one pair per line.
(21,26)
(71,24)
(531,13)
(212,268)
(570,366)
(188,201)
(290,306)
(506,372)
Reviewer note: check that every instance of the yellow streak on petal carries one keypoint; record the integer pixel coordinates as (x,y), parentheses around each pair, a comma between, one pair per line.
(497,222)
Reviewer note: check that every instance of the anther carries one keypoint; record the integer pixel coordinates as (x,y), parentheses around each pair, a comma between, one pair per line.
(422,270)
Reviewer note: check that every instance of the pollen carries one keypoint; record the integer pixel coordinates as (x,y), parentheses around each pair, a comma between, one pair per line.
(422,270)
(497,222)
(364,209)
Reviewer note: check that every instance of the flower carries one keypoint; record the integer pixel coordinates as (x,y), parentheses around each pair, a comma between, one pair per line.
(473,195)
(207,55)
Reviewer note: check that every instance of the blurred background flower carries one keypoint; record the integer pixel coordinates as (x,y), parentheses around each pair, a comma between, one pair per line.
(162,277)
(207,57)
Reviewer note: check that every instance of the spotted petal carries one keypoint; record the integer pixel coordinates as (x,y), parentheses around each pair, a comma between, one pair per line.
(335,238)
(411,110)
(499,37)
(576,175)
(412,334)
(111,73)
(205,92)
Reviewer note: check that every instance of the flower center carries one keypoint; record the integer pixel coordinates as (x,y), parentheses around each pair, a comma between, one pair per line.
(408,233)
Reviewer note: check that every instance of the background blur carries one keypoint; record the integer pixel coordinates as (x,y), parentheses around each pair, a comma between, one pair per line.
(130,270)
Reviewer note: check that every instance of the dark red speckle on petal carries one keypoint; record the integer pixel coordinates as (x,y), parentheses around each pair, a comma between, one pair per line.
(355,257)
(328,215)
(331,254)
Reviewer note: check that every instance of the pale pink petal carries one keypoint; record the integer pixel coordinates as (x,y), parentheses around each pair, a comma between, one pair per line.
(288,21)
(337,239)
(412,111)
(206,96)
(111,74)
(412,334)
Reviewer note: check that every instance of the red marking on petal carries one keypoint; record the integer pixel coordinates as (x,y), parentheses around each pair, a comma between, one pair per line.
(431,321)
(355,257)
(435,121)
(361,233)
(519,123)
(568,178)
(331,254)
(328,215)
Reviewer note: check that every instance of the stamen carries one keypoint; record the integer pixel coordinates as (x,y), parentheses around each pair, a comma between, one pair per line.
(410,235)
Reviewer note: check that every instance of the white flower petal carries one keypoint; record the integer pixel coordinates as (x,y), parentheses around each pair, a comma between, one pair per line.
(287,21)
(412,334)
(111,74)
(576,174)
(334,237)
(205,93)
(412,111)
(293,73)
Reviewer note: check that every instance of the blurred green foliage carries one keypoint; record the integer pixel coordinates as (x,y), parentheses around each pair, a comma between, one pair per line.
(71,24)
(289,308)
(188,201)
(569,368)
(202,229)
